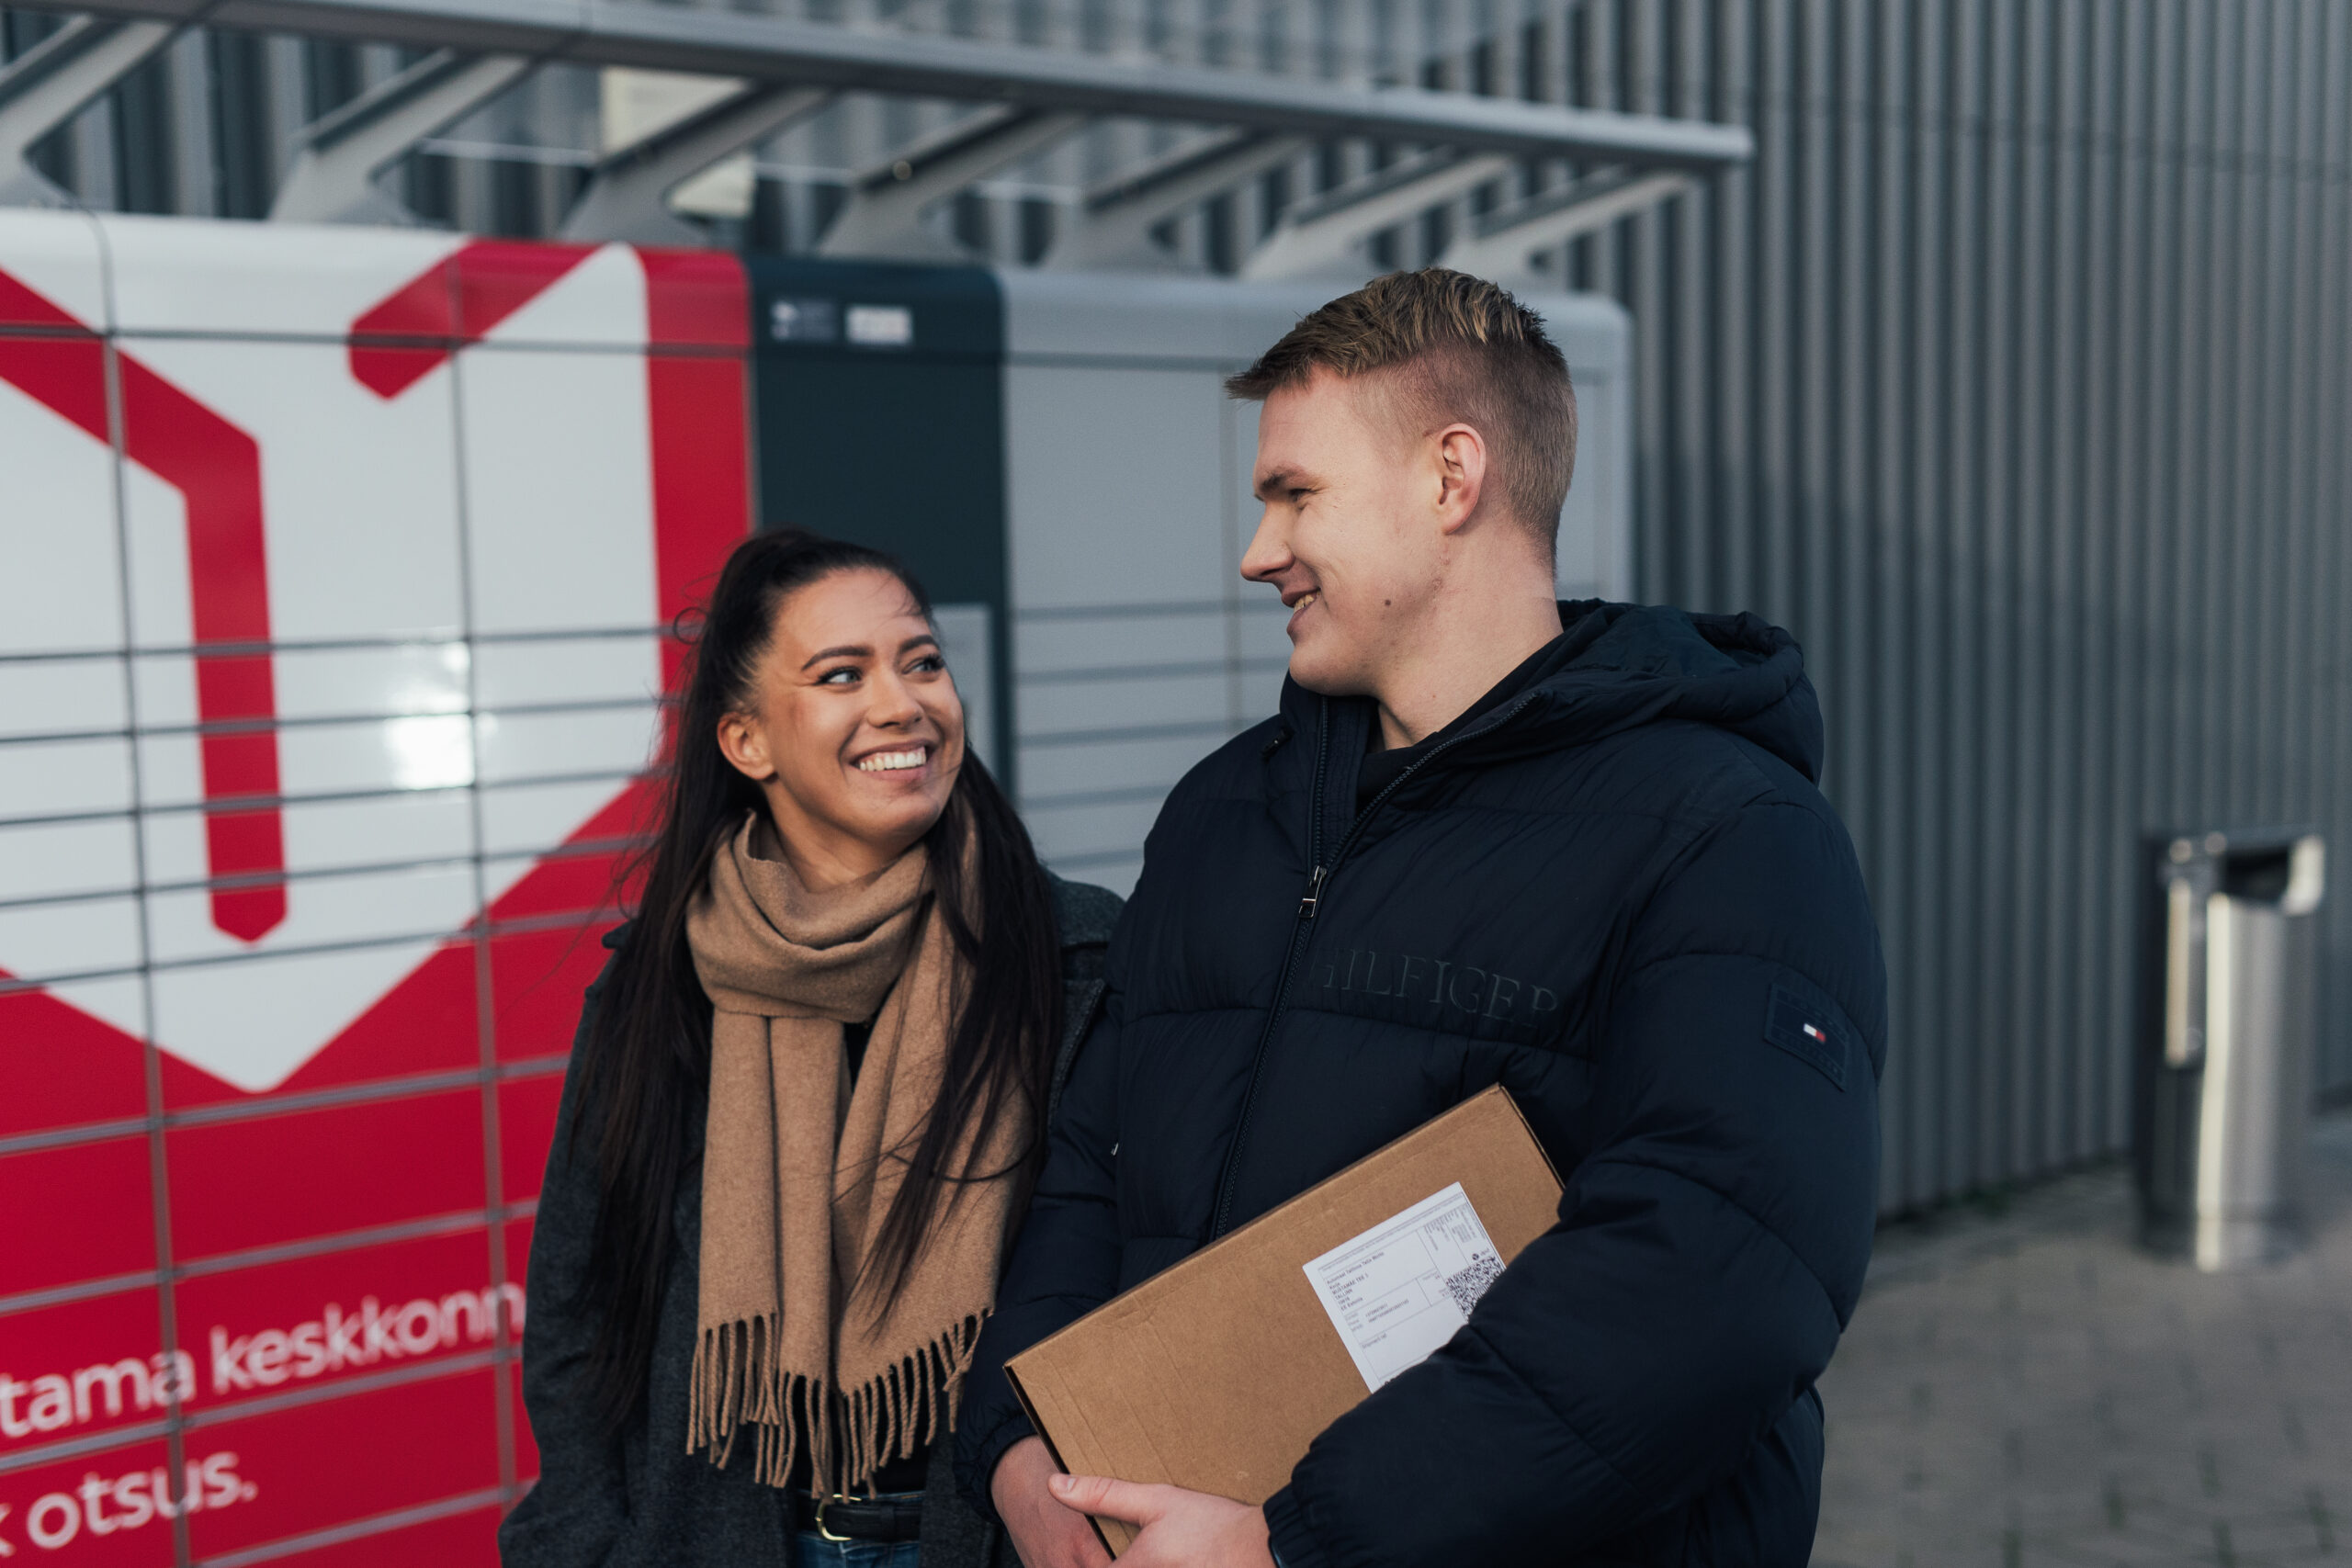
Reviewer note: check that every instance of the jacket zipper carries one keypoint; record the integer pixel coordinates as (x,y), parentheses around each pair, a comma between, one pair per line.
(1303,927)
(1299,929)
(1313,893)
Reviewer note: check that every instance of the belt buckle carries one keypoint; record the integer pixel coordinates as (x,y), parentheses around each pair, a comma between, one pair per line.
(824,1503)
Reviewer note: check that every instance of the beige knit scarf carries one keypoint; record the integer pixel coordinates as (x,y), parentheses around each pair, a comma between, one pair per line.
(799,1169)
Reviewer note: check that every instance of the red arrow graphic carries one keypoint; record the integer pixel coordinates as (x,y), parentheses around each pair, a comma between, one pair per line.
(453,303)
(697,330)
(216,470)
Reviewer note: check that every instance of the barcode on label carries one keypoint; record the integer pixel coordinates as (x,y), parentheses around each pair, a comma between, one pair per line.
(1397,1292)
(1467,1285)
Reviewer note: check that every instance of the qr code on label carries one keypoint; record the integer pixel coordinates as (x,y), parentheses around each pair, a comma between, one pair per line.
(1467,1285)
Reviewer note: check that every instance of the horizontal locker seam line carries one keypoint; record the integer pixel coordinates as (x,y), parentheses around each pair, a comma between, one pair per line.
(561,921)
(1139,732)
(1193,668)
(318,950)
(369,1382)
(322,721)
(80,1291)
(424,1084)
(505,927)
(1048,613)
(453,346)
(267,1404)
(358,1530)
(263,1257)
(584,849)
(328,797)
(72,1137)
(1097,857)
(437,639)
(1096,797)
(88,1442)
(262,1110)
(451,1223)
(1079,359)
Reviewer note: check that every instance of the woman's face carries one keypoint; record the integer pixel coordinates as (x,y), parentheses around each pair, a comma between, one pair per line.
(855,731)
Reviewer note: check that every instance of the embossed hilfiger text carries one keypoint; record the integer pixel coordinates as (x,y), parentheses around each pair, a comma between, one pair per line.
(1437,982)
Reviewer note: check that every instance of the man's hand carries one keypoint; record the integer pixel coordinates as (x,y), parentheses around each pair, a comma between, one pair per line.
(1180,1528)
(1044,1532)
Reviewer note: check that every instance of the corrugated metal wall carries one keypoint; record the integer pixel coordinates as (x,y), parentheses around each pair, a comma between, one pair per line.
(2012,377)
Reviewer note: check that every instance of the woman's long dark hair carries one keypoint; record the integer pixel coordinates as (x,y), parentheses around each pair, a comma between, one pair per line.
(646,1056)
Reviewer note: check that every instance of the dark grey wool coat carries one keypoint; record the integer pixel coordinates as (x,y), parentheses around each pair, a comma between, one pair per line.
(641,1497)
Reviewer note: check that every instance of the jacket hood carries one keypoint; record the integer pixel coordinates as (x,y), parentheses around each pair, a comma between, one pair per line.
(1621,666)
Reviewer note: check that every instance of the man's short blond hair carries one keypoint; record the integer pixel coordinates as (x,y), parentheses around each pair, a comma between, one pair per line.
(1458,349)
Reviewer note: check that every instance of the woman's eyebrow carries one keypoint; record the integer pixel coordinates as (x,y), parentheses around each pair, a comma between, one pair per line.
(850,650)
(918,640)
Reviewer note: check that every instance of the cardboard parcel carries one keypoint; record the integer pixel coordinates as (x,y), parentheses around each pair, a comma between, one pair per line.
(1216,1375)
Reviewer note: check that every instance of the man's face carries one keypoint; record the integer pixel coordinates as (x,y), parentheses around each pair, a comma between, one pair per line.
(1350,536)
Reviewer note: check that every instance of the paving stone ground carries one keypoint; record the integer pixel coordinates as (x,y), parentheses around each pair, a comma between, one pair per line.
(2031,1389)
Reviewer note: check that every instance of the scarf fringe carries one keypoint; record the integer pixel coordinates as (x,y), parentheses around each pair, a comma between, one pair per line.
(908,1406)
(737,1381)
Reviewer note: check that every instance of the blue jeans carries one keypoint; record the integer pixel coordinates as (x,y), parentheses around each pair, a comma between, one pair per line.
(810,1549)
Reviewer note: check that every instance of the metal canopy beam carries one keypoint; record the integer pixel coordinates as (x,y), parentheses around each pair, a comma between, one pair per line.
(1114,223)
(627,197)
(56,80)
(883,217)
(332,179)
(728,43)
(1322,236)
(1501,243)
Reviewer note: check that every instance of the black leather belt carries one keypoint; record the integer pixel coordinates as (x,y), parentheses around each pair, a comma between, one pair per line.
(859,1518)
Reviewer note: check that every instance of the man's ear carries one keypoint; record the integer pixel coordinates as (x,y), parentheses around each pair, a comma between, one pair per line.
(1462,475)
(744,745)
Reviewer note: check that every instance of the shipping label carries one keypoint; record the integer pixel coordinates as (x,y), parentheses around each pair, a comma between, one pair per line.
(1399,1289)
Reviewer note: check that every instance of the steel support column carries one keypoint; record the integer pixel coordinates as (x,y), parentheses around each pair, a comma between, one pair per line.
(333,174)
(1322,236)
(1500,244)
(627,197)
(886,206)
(54,80)
(1114,226)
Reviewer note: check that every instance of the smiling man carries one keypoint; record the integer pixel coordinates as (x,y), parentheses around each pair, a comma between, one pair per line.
(1578,850)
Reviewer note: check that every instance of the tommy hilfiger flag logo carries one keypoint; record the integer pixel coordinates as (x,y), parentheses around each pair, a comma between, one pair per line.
(1789,1023)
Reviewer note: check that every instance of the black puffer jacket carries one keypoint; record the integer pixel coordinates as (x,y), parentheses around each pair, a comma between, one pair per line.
(1621,896)
(641,1499)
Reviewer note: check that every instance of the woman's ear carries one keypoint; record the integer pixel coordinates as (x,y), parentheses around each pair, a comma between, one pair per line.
(745,746)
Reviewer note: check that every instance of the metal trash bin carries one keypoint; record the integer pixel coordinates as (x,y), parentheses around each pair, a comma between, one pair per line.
(2224,1098)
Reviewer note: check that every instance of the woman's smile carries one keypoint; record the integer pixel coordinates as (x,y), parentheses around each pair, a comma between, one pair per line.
(894,761)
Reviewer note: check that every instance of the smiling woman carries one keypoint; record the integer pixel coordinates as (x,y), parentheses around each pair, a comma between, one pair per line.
(808,1095)
(852,730)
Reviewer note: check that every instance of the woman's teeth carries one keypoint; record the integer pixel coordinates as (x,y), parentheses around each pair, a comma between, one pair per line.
(1306,599)
(891,761)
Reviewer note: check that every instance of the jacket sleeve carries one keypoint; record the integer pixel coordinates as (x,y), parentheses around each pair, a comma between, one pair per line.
(1708,1254)
(1065,1264)
(576,1514)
